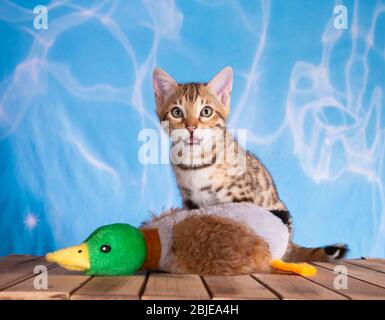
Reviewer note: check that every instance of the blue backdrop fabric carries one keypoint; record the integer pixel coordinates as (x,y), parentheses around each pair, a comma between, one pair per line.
(75,97)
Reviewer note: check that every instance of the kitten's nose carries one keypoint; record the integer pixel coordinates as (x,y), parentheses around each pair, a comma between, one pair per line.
(191,129)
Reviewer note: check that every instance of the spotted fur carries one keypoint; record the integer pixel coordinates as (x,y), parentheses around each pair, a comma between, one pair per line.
(222,172)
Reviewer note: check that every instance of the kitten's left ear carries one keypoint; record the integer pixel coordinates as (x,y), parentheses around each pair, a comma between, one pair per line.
(164,86)
(222,84)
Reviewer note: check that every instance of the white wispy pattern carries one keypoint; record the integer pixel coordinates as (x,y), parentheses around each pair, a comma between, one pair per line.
(69,134)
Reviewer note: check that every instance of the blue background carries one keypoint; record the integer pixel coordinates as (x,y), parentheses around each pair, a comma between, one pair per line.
(74,98)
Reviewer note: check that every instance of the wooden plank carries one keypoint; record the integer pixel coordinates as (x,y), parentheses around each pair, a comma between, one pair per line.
(364,274)
(61,283)
(378,265)
(381,260)
(356,289)
(175,287)
(20,271)
(237,287)
(8,262)
(111,288)
(294,287)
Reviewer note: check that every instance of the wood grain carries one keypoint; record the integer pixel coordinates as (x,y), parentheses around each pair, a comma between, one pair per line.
(61,283)
(356,289)
(366,280)
(8,262)
(111,288)
(361,273)
(373,259)
(175,287)
(377,264)
(237,287)
(17,269)
(293,287)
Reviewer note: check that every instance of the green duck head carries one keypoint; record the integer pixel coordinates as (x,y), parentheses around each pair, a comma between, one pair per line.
(116,249)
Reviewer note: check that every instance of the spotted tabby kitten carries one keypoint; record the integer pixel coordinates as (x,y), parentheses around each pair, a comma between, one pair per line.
(209,164)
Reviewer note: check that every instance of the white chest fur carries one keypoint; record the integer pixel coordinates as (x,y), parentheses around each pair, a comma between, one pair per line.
(197,185)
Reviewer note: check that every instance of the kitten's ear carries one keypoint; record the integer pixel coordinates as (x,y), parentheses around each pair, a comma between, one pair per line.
(222,84)
(164,86)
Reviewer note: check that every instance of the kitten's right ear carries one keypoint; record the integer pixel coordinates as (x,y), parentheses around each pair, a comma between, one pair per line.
(222,84)
(164,86)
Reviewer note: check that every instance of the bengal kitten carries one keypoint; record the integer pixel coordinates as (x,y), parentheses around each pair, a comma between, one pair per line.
(209,164)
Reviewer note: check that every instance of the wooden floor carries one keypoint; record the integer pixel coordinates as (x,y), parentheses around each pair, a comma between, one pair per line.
(366,280)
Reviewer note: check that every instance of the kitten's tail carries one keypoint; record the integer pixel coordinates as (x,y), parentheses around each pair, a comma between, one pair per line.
(328,253)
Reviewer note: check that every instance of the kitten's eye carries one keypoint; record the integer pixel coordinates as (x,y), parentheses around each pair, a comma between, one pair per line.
(105,248)
(176,112)
(206,112)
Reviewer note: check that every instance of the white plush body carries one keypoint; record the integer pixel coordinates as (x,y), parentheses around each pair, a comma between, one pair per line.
(266,225)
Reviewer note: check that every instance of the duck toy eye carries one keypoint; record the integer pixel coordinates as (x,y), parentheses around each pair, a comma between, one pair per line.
(105,248)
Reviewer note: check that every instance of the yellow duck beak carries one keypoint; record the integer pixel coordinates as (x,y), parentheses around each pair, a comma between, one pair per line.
(74,258)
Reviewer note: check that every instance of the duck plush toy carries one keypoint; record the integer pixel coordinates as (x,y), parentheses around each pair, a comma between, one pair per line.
(226,239)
